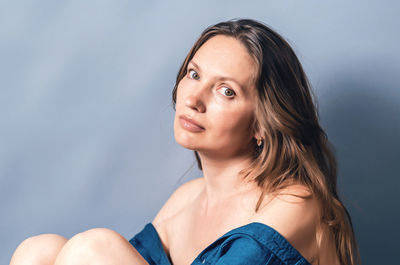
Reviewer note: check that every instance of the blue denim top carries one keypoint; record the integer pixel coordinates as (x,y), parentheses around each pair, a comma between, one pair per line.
(251,244)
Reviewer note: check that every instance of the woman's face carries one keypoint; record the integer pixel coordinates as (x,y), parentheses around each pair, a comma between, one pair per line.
(217,93)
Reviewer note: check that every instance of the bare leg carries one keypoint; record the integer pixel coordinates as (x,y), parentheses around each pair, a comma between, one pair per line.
(38,250)
(99,246)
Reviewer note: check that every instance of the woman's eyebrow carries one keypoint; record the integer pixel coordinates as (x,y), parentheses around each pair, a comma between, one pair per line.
(221,78)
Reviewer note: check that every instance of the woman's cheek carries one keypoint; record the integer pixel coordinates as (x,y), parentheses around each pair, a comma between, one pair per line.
(225,119)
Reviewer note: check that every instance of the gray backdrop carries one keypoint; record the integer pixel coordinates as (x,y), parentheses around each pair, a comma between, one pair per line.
(86,135)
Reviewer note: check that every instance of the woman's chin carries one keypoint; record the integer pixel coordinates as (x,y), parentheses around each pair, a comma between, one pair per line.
(185,140)
(190,146)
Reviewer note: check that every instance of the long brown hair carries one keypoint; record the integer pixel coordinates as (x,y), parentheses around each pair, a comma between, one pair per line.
(295,148)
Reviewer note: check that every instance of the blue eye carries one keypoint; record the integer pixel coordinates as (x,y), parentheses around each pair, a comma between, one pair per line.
(195,76)
(229,92)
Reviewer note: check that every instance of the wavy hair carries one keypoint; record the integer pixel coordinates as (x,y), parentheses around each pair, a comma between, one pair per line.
(295,149)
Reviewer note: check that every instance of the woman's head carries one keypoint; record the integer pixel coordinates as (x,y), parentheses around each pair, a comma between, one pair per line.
(218,92)
(279,91)
(279,109)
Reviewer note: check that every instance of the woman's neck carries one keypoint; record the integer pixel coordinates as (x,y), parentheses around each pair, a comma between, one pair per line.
(222,180)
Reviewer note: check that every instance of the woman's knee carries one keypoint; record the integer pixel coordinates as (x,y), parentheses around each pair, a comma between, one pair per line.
(96,240)
(98,246)
(41,249)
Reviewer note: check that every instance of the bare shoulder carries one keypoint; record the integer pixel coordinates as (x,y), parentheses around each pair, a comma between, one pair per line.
(294,213)
(179,199)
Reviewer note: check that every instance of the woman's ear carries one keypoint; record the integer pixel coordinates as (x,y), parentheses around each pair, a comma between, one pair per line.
(259,140)
(256,131)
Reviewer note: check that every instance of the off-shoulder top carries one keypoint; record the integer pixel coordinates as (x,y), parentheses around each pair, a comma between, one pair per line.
(251,244)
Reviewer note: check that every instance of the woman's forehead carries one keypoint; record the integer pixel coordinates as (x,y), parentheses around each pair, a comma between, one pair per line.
(226,57)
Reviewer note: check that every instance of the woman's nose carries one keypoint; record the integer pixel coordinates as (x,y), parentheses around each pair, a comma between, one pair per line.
(197,100)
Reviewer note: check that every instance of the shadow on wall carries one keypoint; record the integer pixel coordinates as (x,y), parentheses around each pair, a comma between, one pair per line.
(361,114)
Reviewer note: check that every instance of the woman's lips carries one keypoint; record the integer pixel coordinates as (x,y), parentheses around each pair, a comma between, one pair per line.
(189,124)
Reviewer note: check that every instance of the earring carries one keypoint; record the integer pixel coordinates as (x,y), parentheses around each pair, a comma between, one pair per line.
(259,142)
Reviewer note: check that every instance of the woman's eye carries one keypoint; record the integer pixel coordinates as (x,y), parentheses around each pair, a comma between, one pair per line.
(195,75)
(228,92)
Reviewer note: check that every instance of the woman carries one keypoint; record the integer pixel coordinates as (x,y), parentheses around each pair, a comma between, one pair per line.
(268,192)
